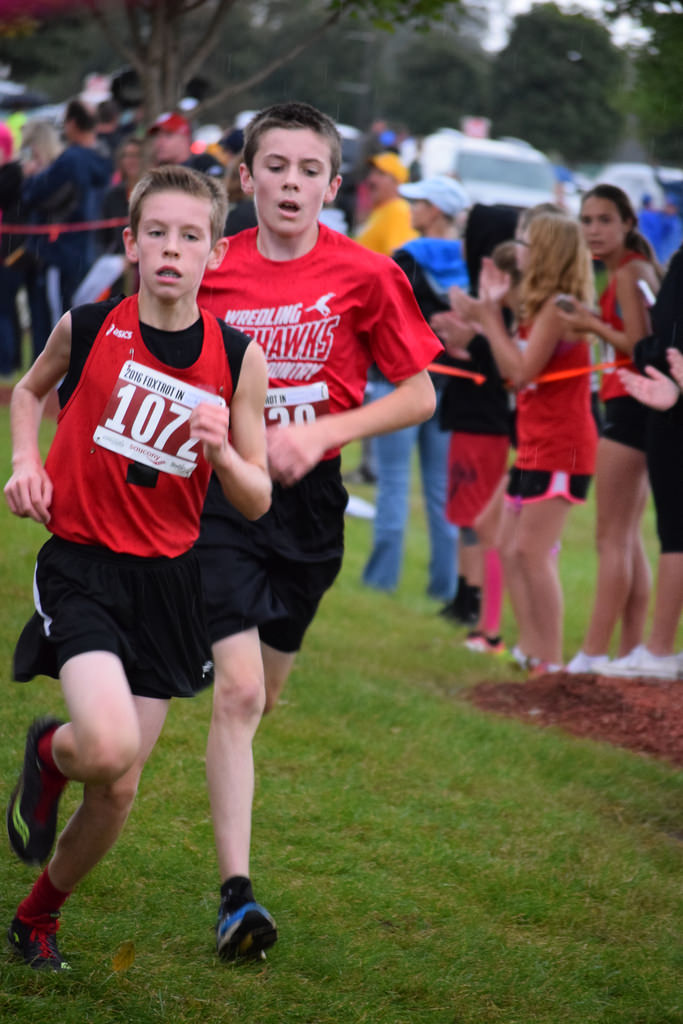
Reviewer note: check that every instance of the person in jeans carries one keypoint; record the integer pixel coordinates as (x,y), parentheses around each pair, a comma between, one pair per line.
(433,262)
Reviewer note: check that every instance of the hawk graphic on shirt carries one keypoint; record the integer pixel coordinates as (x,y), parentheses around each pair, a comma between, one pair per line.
(321,306)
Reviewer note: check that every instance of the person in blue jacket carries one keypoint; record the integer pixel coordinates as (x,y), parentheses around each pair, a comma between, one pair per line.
(69,191)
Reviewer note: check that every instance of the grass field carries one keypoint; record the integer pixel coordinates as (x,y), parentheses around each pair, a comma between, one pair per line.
(426,863)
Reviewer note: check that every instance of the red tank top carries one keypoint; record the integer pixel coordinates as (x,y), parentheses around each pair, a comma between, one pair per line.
(611,386)
(555,426)
(130,410)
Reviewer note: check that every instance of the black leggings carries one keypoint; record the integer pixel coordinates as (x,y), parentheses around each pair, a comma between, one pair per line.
(665,466)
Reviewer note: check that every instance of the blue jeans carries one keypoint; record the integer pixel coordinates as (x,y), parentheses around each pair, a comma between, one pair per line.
(394,453)
(10,333)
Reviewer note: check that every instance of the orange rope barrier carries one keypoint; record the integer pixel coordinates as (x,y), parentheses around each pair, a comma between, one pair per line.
(454,371)
(55,230)
(545,378)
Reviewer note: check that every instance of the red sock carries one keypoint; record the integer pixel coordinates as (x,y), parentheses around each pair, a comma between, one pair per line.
(52,780)
(45,752)
(42,905)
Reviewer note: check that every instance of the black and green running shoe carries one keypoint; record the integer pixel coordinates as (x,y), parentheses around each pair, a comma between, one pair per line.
(36,946)
(32,809)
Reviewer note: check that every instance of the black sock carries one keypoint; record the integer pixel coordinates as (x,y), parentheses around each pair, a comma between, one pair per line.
(235,892)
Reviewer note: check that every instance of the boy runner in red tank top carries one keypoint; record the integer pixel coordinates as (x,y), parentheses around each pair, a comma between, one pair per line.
(149,388)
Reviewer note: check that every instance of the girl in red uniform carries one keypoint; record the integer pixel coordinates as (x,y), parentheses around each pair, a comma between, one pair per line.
(624,580)
(556,431)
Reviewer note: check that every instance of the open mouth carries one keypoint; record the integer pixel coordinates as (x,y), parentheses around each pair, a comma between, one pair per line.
(168,272)
(288,206)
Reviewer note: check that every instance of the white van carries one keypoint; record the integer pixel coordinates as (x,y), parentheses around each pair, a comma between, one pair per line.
(636,180)
(491,170)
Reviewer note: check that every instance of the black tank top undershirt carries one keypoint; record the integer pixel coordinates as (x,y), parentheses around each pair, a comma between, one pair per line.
(178,349)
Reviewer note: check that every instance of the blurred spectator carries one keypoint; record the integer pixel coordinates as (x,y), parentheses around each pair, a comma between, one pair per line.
(40,147)
(171,136)
(231,146)
(115,202)
(241,209)
(389,224)
(68,191)
(672,230)
(10,247)
(433,262)
(387,228)
(110,133)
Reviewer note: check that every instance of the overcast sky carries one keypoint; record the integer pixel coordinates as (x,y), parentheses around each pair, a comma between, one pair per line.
(503,11)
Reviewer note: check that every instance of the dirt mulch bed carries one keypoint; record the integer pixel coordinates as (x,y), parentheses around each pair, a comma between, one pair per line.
(643,716)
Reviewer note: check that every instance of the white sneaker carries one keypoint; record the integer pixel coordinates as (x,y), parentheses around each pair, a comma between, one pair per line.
(519,658)
(642,664)
(588,664)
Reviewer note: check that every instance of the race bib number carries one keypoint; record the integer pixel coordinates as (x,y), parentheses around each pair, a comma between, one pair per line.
(301,404)
(147,419)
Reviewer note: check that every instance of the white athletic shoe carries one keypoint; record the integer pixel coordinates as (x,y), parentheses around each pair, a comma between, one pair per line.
(587,664)
(642,664)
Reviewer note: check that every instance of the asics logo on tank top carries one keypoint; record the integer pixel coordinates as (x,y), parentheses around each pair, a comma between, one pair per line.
(113,329)
(297,341)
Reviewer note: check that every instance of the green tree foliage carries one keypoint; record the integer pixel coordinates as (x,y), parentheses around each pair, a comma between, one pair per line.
(357,72)
(557,85)
(436,82)
(642,10)
(168,43)
(657,95)
(36,57)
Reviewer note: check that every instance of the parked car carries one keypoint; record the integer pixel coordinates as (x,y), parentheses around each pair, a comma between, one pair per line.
(637,180)
(492,171)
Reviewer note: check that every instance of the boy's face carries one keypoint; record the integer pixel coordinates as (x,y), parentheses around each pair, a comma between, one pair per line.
(173,244)
(290,180)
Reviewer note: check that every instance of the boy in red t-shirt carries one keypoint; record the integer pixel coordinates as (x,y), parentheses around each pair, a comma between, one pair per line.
(150,386)
(323,309)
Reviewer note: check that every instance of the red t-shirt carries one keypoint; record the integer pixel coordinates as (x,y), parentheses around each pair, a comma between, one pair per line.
(130,409)
(555,426)
(611,386)
(322,319)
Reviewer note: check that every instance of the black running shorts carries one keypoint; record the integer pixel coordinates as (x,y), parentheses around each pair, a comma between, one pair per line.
(146,611)
(625,420)
(528,485)
(272,573)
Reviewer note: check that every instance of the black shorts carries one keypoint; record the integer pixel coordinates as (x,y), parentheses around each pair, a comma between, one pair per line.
(272,573)
(528,485)
(625,420)
(665,443)
(146,611)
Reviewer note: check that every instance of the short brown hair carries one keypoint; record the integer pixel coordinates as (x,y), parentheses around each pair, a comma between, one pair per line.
(292,115)
(176,178)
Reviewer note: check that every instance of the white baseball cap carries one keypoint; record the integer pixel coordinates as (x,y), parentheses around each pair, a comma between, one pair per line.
(445,193)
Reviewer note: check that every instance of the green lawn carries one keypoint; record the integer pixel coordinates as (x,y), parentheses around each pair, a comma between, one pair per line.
(426,863)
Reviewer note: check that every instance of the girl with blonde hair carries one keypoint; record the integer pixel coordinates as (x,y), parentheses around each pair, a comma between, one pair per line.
(548,366)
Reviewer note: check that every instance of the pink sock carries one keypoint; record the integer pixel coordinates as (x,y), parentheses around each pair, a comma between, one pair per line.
(493,593)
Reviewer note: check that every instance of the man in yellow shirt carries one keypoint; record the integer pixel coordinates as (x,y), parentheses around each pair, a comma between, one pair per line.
(388,227)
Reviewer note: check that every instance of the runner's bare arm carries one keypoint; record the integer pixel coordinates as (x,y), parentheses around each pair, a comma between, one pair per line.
(29,489)
(294,450)
(239,462)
